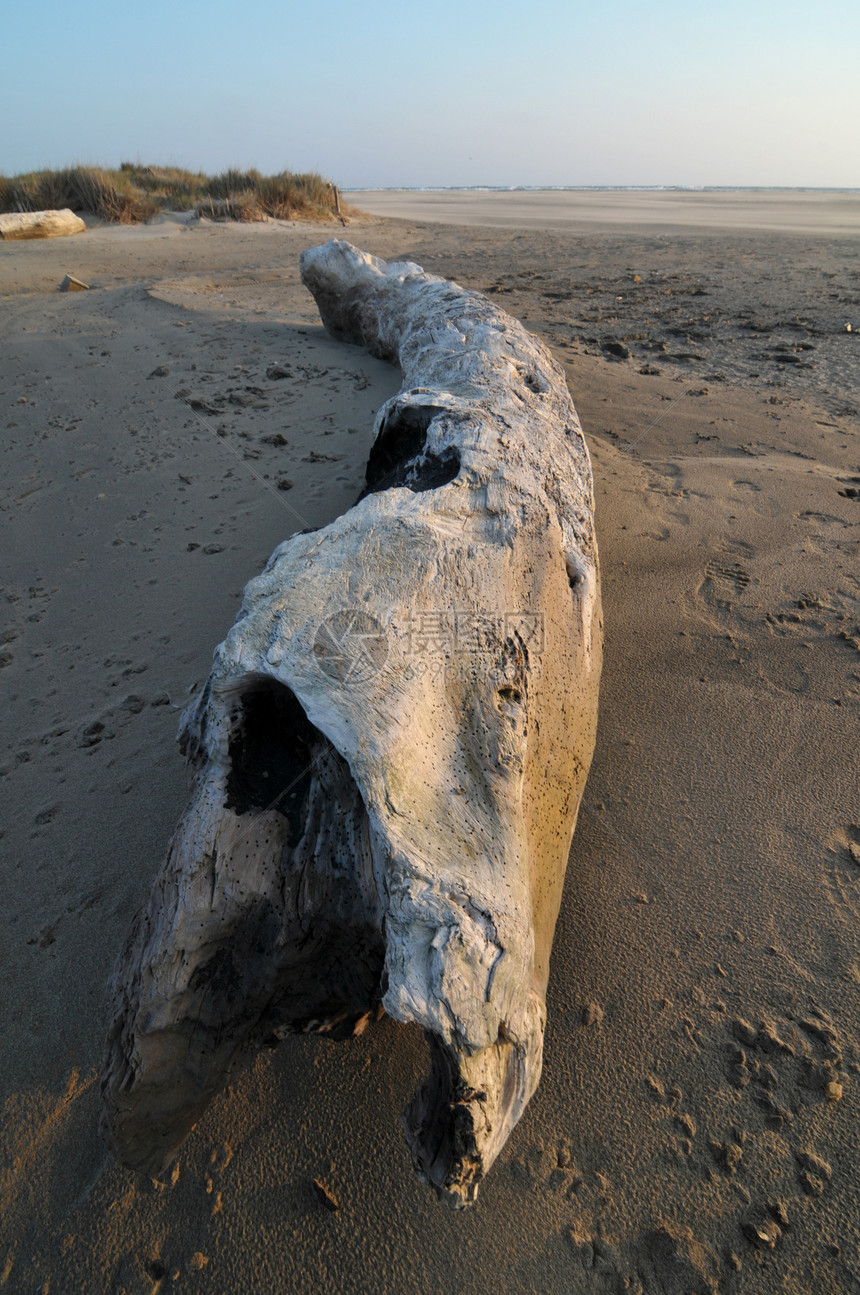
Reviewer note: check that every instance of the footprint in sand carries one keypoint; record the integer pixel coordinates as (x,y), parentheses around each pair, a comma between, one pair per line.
(830,613)
(724,583)
(852,487)
(668,1259)
(662,534)
(783,1073)
(825,519)
(824,545)
(737,548)
(784,1068)
(842,876)
(814,1173)
(7,638)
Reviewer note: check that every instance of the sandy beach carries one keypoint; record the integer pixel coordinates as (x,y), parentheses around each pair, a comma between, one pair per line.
(696,1125)
(766,211)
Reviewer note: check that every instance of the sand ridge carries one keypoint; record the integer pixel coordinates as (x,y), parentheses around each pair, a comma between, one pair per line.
(695,1127)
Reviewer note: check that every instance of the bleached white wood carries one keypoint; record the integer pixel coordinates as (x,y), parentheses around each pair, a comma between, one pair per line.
(390,752)
(40,224)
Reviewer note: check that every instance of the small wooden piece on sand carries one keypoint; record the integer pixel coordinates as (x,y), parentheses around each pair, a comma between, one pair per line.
(40,224)
(71,284)
(389,755)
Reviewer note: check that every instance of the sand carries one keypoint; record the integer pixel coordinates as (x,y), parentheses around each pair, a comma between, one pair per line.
(696,1124)
(768,211)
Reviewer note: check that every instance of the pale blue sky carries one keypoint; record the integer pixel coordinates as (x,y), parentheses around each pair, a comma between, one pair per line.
(455,92)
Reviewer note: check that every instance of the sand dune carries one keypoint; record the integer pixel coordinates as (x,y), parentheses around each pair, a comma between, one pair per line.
(696,1124)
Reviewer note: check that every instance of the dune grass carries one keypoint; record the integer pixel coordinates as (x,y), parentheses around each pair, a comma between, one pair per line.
(134,193)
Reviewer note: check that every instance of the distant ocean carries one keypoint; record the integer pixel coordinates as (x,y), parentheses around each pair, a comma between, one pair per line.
(592,188)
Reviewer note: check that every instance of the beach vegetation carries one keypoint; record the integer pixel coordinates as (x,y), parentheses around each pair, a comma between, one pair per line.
(133,193)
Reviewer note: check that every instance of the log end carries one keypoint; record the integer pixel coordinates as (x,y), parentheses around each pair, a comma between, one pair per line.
(464,1113)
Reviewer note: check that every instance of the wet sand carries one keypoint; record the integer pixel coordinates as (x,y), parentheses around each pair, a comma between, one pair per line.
(696,1124)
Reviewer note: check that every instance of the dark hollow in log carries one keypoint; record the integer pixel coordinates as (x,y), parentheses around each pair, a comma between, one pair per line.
(298,952)
(399,455)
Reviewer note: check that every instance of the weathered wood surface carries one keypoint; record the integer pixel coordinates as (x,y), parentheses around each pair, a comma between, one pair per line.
(389,755)
(40,224)
(71,284)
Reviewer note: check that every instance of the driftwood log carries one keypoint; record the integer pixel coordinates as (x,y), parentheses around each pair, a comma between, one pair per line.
(40,224)
(389,755)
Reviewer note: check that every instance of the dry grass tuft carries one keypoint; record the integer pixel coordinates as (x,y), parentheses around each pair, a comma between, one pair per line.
(107,194)
(133,193)
(239,206)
